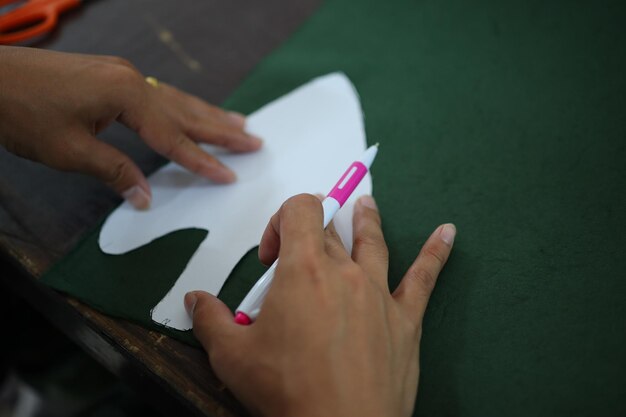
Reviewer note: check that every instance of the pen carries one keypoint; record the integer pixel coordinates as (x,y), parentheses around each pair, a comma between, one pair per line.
(250,307)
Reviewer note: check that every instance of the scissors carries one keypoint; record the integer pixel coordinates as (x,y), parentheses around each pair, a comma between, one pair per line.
(32,19)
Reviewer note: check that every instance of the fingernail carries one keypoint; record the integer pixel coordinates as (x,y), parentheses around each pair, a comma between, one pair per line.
(190,302)
(238,118)
(448,231)
(368,201)
(138,197)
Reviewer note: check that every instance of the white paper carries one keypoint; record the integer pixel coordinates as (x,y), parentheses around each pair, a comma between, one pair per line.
(311,136)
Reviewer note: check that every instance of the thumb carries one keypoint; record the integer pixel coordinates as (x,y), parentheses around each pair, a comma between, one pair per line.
(116,170)
(212,319)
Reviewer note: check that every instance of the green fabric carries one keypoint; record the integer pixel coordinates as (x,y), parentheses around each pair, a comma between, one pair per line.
(127,286)
(506,118)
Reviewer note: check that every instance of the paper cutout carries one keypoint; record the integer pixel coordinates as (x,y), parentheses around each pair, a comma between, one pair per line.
(311,136)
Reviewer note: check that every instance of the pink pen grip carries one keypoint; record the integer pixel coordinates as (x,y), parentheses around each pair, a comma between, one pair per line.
(348,182)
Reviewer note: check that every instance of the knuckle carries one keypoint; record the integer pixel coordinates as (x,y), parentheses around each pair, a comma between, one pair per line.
(117,172)
(351,271)
(72,158)
(311,259)
(174,146)
(306,201)
(309,267)
(298,204)
(425,279)
(123,75)
(118,60)
(364,239)
(354,277)
(194,120)
(374,242)
(435,255)
(220,139)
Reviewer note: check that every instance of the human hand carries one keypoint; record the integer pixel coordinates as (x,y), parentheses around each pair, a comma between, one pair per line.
(330,340)
(53,104)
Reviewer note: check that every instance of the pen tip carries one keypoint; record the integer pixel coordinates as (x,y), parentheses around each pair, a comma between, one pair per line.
(376,144)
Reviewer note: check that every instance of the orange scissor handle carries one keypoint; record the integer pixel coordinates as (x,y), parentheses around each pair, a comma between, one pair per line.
(34,18)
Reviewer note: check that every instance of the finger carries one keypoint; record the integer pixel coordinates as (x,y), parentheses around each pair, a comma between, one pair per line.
(212,320)
(182,150)
(110,59)
(270,241)
(206,123)
(419,281)
(93,157)
(297,228)
(334,245)
(201,108)
(210,124)
(145,114)
(218,133)
(369,249)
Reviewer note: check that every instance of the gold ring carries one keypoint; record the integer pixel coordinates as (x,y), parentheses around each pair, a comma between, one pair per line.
(152,81)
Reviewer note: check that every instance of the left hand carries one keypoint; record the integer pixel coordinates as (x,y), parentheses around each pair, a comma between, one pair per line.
(53,104)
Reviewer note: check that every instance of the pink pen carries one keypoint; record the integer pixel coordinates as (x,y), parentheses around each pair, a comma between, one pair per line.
(250,307)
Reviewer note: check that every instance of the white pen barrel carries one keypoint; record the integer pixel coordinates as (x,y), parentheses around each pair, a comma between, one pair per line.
(330,206)
(251,304)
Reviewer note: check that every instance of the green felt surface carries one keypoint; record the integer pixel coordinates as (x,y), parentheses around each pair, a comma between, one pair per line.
(506,118)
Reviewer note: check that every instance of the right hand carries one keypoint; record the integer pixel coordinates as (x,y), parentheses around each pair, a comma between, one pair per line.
(330,340)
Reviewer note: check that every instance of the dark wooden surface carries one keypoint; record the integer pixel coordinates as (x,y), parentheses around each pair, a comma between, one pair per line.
(205,47)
